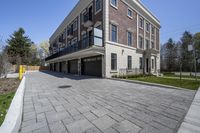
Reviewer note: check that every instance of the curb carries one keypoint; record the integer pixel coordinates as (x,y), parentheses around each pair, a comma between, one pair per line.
(13,117)
(146,83)
(191,123)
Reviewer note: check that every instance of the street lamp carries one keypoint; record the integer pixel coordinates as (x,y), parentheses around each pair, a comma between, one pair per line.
(193,48)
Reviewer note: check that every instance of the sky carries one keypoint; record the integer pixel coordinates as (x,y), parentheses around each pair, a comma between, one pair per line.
(40,18)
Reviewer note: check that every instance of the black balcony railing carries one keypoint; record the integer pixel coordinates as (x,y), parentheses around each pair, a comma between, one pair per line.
(80,45)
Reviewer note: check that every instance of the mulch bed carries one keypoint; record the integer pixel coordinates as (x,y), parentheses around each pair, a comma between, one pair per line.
(8,85)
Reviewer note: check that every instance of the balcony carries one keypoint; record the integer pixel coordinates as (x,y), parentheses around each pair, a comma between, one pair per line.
(85,43)
(87,19)
(151,51)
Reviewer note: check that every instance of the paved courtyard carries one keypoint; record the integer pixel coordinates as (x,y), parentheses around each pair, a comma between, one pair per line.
(58,103)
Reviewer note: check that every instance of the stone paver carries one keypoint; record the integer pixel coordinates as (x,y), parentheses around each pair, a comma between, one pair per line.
(92,105)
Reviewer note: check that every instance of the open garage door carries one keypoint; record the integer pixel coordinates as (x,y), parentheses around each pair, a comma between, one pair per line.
(73,66)
(92,66)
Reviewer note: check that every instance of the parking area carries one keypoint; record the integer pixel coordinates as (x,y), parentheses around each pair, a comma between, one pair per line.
(59,103)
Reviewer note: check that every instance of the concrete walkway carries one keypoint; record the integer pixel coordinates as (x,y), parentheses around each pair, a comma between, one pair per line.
(191,122)
(58,103)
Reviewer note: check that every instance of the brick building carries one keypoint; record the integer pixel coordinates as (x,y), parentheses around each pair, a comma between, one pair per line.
(105,38)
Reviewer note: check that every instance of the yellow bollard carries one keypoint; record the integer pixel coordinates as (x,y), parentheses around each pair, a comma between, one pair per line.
(24,69)
(20,72)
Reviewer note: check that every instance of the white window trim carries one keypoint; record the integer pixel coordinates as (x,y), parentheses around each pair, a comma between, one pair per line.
(142,42)
(152,41)
(146,39)
(152,64)
(116,7)
(131,38)
(148,26)
(139,23)
(111,31)
(97,11)
(153,27)
(114,70)
(131,62)
(129,9)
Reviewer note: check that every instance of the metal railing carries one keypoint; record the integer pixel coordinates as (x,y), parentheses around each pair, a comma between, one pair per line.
(80,45)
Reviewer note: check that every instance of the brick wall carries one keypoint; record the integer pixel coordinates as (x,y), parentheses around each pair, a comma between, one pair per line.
(124,22)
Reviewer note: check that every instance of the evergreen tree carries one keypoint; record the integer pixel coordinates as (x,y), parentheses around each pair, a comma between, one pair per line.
(19,47)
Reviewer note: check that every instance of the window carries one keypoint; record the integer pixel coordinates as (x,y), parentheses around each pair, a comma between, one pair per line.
(141,42)
(113,61)
(84,40)
(141,63)
(98,5)
(75,25)
(114,3)
(129,38)
(113,33)
(129,62)
(152,45)
(147,27)
(152,63)
(147,44)
(141,23)
(130,13)
(152,30)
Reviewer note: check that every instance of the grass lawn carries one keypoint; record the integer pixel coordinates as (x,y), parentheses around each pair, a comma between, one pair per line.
(187,84)
(5,101)
(178,76)
(7,92)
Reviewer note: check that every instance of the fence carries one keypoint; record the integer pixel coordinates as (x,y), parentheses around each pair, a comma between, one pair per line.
(15,68)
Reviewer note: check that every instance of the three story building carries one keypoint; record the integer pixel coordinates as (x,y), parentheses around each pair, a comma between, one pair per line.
(105,38)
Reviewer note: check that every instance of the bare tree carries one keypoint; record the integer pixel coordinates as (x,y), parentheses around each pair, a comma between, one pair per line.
(5,66)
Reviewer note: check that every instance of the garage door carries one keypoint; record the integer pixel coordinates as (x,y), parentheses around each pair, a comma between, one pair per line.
(73,66)
(92,66)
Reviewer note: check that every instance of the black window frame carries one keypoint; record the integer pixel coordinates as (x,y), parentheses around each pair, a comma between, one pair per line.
(141,42)
(141,23)
(113,61)
(147,26)
(131,13)
(141,63)
(99,6)
(114,4)
(114,37)
(147,44)
(129,38)
(152,65)
(129,62)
